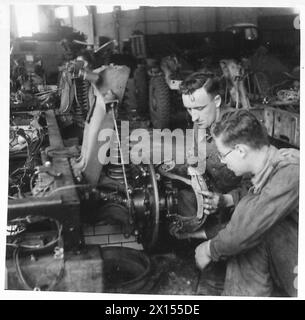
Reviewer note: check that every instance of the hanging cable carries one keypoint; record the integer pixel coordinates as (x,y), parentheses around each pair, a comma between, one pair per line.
(27,248)
(122,159)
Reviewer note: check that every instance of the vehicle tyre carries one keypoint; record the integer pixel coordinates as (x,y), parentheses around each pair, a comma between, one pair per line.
(159,103)
(141,88)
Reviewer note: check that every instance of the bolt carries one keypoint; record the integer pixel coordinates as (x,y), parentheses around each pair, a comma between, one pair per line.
(33,258)
(47,164)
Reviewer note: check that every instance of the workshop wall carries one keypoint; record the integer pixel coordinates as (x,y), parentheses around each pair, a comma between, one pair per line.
(154,20)
(227,16)
(157,20)
(83,24)
(230,15)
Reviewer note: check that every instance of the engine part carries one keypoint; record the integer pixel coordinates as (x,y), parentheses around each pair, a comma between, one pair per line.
(198,184)
(289,95)
(112,79)
(234,74)
(50,191)
(81,107)
(115,168)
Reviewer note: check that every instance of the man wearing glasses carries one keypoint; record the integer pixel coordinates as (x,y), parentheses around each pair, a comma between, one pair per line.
(261,239)
(201,97)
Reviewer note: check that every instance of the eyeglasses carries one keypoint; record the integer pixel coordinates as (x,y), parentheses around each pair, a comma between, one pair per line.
(223,156)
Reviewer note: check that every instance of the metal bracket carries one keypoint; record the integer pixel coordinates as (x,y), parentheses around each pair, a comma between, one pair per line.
(48,170)
(198,184)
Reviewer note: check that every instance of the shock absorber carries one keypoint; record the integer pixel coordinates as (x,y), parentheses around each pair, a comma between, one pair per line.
(81,106)
(115,169)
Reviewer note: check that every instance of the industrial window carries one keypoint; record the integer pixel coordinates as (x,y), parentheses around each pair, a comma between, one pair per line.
(129,6)
(26,27)
(62,12)
(80,11)
(251,34)
(105,8)
(109,7)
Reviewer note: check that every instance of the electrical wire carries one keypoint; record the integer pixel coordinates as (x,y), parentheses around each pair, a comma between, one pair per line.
(45,188)
(32,249)
(121,155)
(68,187)
(25,283)
(38,247)
(33,146)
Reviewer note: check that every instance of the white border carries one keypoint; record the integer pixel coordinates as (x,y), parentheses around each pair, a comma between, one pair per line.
(4,129)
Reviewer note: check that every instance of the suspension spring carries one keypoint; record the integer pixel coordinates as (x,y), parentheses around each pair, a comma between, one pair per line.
(114,169)
(82,101)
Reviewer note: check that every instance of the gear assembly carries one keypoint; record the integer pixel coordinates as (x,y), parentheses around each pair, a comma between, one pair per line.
(60,183)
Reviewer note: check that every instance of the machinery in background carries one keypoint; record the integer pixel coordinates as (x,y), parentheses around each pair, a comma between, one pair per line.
(249,50)
(133,195)
(28,87)
(55,187)
(259,82)
(277,106)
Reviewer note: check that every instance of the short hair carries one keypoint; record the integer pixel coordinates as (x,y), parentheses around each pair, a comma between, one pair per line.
(241,126)
(196,80)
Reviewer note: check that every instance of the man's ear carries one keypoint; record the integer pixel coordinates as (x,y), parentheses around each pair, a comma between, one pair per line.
(242,149)
(217,100)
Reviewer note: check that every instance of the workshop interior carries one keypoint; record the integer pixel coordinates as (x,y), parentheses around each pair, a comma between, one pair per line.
(79,223)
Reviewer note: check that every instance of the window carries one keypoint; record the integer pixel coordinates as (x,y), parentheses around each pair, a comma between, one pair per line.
(80,11)
(129,6)
(106,8)
(26,27)
(109,7)
(61,12)
(251,34)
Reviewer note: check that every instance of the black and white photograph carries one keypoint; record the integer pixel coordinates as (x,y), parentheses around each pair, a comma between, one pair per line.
(152,149)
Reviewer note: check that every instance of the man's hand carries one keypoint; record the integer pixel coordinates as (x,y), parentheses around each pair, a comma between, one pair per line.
(203,255)
(176,232)
(191,159)
(212,201)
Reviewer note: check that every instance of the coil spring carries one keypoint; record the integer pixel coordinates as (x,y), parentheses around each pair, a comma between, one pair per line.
(114,169)
(82,105)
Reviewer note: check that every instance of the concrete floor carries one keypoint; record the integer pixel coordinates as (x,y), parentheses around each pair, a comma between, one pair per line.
(175,273)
